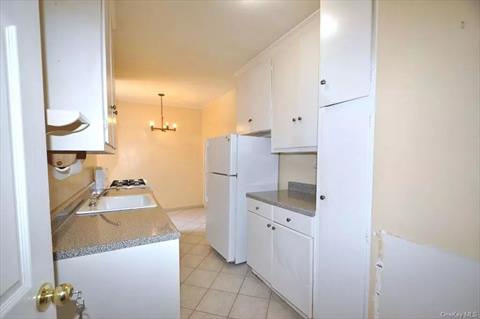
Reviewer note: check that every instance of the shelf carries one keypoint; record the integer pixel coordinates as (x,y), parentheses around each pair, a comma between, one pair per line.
(62,122)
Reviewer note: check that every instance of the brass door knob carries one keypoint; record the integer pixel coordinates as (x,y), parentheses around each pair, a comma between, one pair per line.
(59,295)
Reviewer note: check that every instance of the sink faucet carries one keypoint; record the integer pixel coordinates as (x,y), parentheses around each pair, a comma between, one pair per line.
(95,196)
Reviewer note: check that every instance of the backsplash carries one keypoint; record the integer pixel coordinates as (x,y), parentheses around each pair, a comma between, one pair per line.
(62,190)
(302,188)
(297,168)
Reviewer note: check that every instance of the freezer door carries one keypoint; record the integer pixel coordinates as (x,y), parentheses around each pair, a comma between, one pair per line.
(221,155)
(220,203)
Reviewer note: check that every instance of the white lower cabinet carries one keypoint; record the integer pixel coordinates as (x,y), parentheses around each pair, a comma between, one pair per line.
(259,252)
(292,267)
(282,257)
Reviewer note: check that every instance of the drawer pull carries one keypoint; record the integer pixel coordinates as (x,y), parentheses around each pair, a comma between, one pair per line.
(289,220)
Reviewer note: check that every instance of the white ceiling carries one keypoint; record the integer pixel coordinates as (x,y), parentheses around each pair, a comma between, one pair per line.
(190,49)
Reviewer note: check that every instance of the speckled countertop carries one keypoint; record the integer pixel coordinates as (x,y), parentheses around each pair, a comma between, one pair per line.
(299,197)
(90,234)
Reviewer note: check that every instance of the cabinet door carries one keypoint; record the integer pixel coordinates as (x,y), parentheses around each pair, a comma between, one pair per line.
(345,50)
(345,179)
(259,244)
(295,89)
(253,99)
(292,265)
(110,106)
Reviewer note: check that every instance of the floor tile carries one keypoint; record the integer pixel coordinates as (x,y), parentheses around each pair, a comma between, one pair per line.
(185,247)
(190,296)
(227,282)
(190,239)
(247,307)
(191,260)
(201,278)
(185,313)
(217,302)
(235,269)
(252,286)
(279,309)
(204,241)
(211,263)
(185,272)
(204,315)
(201,250)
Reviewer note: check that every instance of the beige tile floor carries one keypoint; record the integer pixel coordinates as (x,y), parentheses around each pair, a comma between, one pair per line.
(212,288)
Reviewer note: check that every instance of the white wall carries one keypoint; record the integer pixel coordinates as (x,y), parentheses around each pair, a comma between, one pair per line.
(427,134)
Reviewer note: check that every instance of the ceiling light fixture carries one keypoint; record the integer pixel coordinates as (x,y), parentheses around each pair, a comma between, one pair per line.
(165,126)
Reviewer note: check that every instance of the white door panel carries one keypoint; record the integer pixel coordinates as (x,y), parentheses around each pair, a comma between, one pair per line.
(344,174)
(292,267)
(253,99)
(221,155)
(221,191)
(295,89)
(25,235)
(345,50)
(259,244)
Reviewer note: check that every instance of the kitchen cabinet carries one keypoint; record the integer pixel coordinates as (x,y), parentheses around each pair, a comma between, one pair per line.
(345,50)
(292,267)
(344,183)
(280,251)
(254,109)
(110,280)
(295,89)
(259,243)
(78,71)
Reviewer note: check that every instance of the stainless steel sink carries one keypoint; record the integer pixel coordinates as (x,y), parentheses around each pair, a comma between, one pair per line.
(105,204)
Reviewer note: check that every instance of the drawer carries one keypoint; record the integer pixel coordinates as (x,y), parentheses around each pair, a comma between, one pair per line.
(295,221)
(260,208)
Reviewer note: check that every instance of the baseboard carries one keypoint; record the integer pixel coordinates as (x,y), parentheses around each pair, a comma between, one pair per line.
(173,209)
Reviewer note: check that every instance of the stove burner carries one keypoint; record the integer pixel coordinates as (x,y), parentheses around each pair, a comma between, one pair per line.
(140,182)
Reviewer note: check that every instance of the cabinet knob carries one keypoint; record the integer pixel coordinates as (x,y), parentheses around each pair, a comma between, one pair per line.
(323,82)
(250,120)
(294,119)
(269,225)
(299,118)
(273,228)
(115,112)
(289,220)
(113,107)
(257,208)
(322,197)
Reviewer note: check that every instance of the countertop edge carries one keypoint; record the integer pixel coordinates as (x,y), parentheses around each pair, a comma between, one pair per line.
(97,249)
(299,210)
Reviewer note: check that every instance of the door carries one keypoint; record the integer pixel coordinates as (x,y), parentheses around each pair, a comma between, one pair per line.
(259,244)
(253,98)
(345,181)
(220,204)
(292,267)
(295,90)
(110,106)
(25,236)
(345,51)
(221,155)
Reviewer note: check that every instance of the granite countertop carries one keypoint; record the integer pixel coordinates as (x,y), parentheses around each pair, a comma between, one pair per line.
(299,197)
(91,234)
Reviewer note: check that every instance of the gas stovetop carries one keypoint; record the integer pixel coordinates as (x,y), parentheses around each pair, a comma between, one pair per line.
(128,183)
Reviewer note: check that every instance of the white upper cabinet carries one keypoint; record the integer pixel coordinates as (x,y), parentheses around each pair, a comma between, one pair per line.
(345,50)
(295,89)
(254,107)
(78,71)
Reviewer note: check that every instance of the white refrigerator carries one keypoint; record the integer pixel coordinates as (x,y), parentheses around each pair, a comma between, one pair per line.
(235,165)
